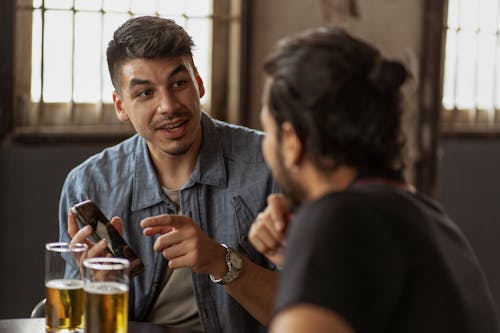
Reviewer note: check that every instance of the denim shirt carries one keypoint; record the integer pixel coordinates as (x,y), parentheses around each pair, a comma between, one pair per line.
(227,189)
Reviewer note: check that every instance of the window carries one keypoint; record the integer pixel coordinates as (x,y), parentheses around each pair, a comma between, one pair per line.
(471,84)
(63,87)
(459,93)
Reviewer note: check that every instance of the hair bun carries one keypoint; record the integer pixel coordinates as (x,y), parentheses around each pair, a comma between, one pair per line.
(388,75)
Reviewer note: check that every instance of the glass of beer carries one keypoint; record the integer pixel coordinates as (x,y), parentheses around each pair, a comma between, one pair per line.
(64,287)
(106,295)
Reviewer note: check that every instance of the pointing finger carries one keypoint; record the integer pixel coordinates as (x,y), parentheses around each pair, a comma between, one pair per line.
(164,223)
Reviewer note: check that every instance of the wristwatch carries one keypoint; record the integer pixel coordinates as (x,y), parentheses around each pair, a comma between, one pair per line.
(234,264)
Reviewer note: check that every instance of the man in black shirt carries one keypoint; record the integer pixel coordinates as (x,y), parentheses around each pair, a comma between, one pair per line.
(364,251)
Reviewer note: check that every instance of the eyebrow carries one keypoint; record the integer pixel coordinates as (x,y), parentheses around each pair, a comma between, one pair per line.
(178,69)
(137,82)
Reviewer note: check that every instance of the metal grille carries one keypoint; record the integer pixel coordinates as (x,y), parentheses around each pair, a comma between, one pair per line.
(67,87)
(471,86)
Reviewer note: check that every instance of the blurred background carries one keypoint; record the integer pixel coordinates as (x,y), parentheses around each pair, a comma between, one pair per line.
(55,102)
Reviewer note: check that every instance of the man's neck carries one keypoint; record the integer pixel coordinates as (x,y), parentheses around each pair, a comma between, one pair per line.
(173,171)
(320,183)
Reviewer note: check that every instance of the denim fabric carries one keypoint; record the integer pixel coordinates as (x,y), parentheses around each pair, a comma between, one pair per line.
(226,191)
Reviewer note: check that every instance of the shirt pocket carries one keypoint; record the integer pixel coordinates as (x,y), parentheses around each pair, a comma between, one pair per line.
(244,218)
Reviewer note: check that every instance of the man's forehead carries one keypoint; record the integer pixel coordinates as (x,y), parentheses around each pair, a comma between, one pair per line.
(156,69)
(164,65)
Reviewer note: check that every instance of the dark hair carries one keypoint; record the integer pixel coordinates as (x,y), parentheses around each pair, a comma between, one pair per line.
(341,97)
(146,37)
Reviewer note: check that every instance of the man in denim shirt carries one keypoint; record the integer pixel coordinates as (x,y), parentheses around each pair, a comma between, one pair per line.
(180,188)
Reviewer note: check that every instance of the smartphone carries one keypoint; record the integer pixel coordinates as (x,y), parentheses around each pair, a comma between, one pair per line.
(87,213)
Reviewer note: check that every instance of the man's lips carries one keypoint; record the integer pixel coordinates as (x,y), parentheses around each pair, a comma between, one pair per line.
(174,129)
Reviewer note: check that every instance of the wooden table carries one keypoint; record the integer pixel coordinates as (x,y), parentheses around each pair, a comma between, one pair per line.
(37,325)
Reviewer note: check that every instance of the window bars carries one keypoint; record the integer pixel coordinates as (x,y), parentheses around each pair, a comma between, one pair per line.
(62,81)
(471,87)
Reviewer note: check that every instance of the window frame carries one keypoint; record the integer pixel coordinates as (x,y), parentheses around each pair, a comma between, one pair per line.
(430,95)
(431,126)
(229,34)
(456,123)
(7,10)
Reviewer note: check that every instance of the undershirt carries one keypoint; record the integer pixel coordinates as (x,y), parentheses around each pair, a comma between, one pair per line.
(176,303)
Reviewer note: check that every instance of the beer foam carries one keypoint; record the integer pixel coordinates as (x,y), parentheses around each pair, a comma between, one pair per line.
(64,284)
(105,288)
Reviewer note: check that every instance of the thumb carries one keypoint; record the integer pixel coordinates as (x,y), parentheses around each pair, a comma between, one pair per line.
(118,224)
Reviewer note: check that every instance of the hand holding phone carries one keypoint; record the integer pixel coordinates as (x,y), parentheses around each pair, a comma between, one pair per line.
(87,213)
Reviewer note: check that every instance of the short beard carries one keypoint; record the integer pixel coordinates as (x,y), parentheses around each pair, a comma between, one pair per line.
(169,117)
(289,187)
(179,150)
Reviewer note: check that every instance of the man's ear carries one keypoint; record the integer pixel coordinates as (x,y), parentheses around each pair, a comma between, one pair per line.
(199,82)
(119,108)
(292,147)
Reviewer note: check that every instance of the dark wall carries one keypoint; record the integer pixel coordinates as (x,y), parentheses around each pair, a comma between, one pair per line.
(30,183)
(469,189)
(31,180)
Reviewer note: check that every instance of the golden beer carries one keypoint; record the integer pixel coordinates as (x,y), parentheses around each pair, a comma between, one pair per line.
(64,305)
(106,307)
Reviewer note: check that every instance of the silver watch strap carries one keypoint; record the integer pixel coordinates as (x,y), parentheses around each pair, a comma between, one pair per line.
(232,272)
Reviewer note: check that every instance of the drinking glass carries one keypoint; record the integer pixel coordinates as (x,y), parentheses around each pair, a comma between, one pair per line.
(106,295)
(64,289)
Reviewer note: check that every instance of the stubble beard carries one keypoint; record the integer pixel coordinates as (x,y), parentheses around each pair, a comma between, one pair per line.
(289,187)
(179,150)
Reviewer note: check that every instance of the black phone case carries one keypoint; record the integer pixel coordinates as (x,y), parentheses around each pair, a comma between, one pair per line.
(87,213)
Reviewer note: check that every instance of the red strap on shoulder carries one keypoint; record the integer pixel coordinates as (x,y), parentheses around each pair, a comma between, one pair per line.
(385,181)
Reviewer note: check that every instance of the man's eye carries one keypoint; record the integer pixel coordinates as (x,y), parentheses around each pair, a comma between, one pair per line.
(179,83)
(145,93)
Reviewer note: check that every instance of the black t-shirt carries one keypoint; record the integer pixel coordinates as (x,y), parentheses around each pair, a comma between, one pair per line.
(386,260)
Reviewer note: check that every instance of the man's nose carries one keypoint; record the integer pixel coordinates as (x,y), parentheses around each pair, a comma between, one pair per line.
(167,103)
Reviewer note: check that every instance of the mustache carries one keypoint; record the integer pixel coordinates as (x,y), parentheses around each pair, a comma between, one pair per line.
(170,117)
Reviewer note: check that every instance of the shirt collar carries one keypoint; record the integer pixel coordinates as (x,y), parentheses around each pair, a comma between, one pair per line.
(210,168)
(143,193)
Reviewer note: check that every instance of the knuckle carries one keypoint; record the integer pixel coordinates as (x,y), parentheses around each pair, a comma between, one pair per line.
(194,256)
(191,232)
(158,245)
